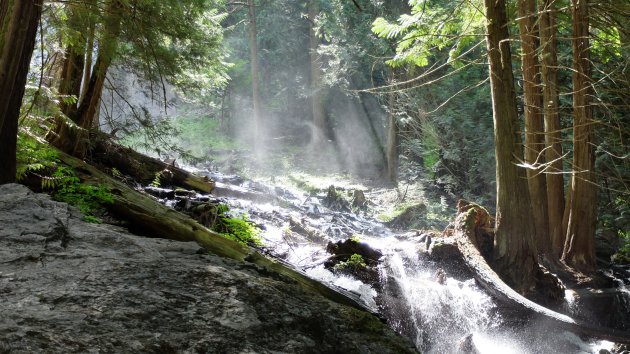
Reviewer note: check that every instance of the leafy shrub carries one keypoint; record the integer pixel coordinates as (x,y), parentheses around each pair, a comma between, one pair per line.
(241,230)
(235,228)
(355,262)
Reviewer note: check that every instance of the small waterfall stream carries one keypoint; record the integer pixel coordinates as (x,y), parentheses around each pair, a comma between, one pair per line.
(440,315)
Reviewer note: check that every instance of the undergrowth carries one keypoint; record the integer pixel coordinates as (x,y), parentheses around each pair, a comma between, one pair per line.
(355,263)
(41,161)
(236,228)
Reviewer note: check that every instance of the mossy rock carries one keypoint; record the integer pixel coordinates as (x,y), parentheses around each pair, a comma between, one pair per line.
(354,258)
(412,217)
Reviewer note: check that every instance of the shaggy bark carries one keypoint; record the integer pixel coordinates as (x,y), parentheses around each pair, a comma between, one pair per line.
(553,135)
(515,251)
(534,126)
(579,248)
(18,27)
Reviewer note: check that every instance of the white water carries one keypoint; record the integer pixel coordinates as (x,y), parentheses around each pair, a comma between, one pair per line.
(454,316)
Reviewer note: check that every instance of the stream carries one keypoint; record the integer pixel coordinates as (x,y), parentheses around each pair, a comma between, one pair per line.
(441,315)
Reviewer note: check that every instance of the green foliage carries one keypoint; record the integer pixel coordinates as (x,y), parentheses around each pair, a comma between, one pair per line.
(432,26)
(241,230)
(199,132)
(354,263)
(35,157)
(157,180)
(43,161)
(624,250)
(88,199)
(236,228)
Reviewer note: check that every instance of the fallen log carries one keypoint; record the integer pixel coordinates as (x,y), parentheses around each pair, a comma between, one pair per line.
(466,233)
(144,169)
(311,233)
(152,218)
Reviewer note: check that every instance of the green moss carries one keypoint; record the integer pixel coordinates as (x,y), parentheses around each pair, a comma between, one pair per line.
(362,320)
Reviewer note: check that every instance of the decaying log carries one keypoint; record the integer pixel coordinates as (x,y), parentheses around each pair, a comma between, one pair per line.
(311,233)
(144,168)
(466,233)
(157,220)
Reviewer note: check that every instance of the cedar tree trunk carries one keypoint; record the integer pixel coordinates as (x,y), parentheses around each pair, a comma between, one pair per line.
(18,29)
(534,126)
(579,247)
(515,251)
(553,135)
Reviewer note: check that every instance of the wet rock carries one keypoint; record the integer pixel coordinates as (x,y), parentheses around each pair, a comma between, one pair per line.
(359,200)
(355,258)
(466,345)
(334,200)
(344,249)
(181,192)
(162,193)
(443,250)
(68,286)
(310,233)
(413,217)
(621,349)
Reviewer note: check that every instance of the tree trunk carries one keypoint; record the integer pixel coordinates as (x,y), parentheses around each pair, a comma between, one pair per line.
(253,53)
(87,67)
(515,250)
(553,135)
(143,168)
(75,140)
(317,105)
(393,140)
(534,126)
(579,247)
(18,29)
(70,83)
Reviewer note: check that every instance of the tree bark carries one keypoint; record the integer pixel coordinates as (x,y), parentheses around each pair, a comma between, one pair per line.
(553,135)
(70,81)
(18,26)
(87,67)
(144,168)
(393,140)
(253,54)
(75,140)
(579,247)
(515,250)
(317,105)
(534,126)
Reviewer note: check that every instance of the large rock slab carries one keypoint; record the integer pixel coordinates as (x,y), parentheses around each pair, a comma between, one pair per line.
(67,286)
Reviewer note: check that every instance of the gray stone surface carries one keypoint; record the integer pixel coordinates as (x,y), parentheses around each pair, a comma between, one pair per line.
(68,286)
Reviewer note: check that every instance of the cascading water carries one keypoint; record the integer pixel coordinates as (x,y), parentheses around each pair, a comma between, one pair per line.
(439,313)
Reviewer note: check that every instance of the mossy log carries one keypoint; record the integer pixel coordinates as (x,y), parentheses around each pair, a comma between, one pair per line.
(467,226)
(152,218)
(144,168)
